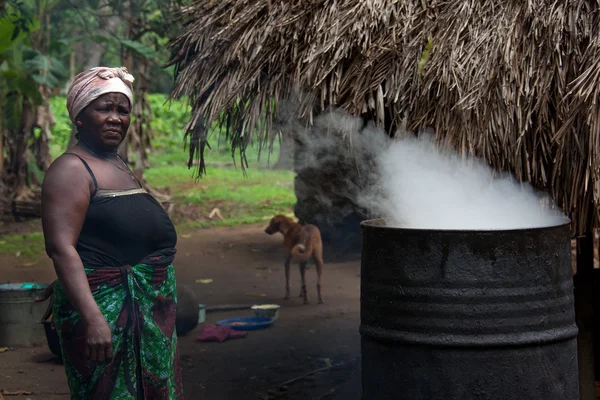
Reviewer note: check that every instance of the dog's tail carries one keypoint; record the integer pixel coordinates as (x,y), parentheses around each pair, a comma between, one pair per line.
(303,250)
(301,253)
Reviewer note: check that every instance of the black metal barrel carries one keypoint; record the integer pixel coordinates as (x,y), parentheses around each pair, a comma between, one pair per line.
(467,315)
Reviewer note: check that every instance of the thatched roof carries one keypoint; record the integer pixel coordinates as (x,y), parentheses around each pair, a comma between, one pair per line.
(516,82)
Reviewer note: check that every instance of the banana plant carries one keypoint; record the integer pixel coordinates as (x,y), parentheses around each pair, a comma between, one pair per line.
(27,77)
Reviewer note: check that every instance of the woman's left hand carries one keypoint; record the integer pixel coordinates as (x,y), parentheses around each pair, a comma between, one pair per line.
(98,340)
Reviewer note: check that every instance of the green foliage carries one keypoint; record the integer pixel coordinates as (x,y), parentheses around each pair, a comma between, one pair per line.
(45,70)
(15,84)
(22,68)
(241,199)
(28,245)
(16,22)
(138,48)
(168,122)
(143,28)
(61,131)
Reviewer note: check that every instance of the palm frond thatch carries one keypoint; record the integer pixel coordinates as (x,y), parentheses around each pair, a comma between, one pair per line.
(516,82)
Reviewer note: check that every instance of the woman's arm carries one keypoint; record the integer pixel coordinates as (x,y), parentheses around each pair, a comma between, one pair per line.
(65,199)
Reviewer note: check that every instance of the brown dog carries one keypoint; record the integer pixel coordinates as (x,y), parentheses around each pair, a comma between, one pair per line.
(301,243)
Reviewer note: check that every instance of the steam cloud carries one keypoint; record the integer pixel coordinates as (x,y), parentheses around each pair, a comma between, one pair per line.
(414,183)
(428,188)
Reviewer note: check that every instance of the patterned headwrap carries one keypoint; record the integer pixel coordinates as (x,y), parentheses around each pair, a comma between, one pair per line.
(93,83)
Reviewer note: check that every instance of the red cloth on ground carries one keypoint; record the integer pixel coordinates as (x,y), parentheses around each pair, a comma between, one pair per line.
(213,333)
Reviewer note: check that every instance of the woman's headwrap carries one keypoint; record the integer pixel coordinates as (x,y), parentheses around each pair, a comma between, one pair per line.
(93,83)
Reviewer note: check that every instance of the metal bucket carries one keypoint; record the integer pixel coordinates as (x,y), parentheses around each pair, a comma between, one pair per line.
(20,316)
(467,315)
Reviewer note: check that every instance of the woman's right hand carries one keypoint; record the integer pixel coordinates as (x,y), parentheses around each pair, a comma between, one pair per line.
(98,338)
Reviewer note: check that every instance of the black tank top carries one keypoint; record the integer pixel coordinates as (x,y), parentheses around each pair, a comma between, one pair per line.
(122,227)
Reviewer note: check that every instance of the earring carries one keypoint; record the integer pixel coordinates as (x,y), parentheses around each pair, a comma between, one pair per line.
(79,123)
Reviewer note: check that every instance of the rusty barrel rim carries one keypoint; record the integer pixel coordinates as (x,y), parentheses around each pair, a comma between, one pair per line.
(380,223)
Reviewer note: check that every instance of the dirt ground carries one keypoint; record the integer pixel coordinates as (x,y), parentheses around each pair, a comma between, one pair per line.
(243,262)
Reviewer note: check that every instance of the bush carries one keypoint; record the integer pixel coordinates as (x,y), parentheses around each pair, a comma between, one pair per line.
(168,121)
(61,131)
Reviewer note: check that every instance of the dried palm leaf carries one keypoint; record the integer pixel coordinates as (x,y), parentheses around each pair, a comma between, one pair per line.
(515,82)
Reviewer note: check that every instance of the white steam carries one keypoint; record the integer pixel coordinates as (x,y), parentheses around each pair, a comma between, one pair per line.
(411,181)
(427,188)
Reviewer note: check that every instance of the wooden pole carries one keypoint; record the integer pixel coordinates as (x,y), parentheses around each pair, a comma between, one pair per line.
(584,311)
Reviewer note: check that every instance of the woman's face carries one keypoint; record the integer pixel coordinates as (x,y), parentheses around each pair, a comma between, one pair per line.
(105,121)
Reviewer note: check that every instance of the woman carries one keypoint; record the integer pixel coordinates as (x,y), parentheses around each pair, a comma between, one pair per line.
(112,245)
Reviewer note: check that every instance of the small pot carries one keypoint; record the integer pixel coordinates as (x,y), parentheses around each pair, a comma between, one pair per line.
(266,310)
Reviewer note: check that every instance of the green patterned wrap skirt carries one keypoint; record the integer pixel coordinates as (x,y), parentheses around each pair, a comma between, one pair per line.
(139,303)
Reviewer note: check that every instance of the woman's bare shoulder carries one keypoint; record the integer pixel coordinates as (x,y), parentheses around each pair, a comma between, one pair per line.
(67,171)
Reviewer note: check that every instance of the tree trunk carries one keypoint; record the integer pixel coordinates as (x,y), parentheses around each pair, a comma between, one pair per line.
(44,120)
(286,153)
(16,173)
(21,153)
(110,21)
(72,60)
(139,130)
(124,148)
